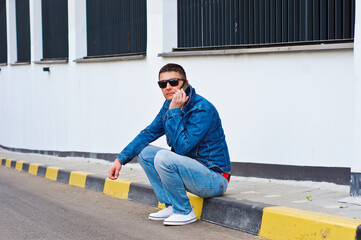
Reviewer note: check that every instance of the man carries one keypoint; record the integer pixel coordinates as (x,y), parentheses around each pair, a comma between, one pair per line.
(198,160)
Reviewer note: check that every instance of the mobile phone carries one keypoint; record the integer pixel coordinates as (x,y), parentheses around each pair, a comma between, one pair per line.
(186,88)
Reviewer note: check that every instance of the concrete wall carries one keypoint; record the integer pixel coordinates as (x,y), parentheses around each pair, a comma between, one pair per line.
(294,108)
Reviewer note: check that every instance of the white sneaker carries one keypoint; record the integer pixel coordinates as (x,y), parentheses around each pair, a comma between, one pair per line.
(162,214)
(180,219)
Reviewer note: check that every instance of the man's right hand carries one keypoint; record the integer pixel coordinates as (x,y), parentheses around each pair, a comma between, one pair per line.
(114,169)
(179,99)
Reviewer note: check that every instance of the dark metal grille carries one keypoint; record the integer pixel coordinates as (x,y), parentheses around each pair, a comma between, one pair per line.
(3,35)
(116,27)
(214,23)
(23,30)
(55,29)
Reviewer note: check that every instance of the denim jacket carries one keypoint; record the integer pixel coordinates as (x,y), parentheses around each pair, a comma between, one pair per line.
(194,131)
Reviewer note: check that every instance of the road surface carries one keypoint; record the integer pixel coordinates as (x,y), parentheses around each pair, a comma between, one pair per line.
(33,207)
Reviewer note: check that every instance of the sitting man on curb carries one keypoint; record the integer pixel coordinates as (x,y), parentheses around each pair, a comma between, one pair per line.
(198,161)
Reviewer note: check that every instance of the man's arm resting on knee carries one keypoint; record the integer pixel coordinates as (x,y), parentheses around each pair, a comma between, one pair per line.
(114,169)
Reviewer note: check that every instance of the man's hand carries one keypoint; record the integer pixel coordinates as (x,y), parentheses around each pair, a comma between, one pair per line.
(179,99)
(114,169)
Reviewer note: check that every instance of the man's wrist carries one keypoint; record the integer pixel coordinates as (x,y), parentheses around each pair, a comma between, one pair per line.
(117,159)
(122,158)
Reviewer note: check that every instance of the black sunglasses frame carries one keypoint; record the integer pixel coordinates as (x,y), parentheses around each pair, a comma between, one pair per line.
(173,82)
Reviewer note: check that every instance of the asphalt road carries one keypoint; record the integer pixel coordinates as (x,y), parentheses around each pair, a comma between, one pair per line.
(33,207)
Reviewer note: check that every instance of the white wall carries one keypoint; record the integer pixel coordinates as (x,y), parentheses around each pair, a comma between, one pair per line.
(280,108)
(283,108)
(356,153)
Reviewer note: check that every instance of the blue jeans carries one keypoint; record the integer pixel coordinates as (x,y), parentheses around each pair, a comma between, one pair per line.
(171,175)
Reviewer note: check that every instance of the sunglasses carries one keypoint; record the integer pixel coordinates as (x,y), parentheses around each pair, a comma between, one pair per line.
(173,82)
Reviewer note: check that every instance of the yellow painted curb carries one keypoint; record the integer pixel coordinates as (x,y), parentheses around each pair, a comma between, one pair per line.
(288,223)
(195,201)
(78,178)
(117,188)
(197,204)
(52,173)
(8,163)
(19,165)
(33,168)
(161,205)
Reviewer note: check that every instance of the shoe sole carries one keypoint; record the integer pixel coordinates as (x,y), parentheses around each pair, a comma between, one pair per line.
(157,218)
(179,223)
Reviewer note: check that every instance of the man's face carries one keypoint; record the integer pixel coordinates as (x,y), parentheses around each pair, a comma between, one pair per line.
(169,91)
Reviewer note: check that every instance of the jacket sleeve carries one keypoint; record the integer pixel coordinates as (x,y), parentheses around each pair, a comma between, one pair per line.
(146,136)
(185,133)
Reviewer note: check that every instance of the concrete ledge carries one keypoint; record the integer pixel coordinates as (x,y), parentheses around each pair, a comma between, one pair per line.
(241,215)
(290,223)
(52,61)
(33,168)
(109,59)
(13,164)
(19,165)
(142,193)
(95,183)
(63,176)
(52,173)
(257,49)
(42,170)
(25,167)
(266,221)
(117,188)
(20,63)
(8,163)
(78,178)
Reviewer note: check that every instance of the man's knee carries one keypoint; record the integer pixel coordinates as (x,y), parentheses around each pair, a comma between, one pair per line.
(162,159)
(147,153)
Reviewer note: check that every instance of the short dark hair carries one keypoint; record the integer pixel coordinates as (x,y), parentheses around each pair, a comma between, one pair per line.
(173,67)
